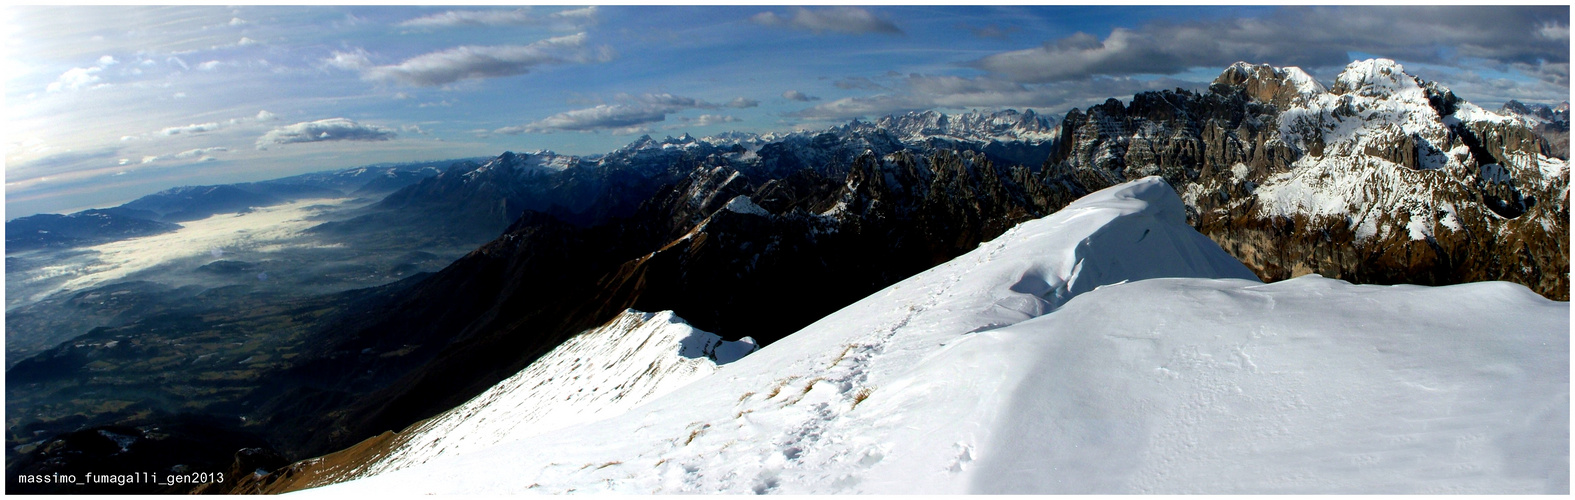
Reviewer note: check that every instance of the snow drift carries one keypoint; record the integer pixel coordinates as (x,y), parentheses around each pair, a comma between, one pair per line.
(1039,363)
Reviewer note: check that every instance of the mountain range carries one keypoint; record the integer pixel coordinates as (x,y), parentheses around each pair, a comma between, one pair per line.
(1378,178)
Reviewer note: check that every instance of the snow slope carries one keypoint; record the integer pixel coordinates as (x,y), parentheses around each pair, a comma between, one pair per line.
(602,372)
(1038,363)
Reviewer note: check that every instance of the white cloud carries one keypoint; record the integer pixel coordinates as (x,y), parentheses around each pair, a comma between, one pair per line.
(600,117)
(331,129)
(264,116)
(627,116)
(75,78)
(471,62)
(472,18)
(742,103)
(795,95)
(704,120)
(852,20)
(196,128)
(585,14)
(246,41)
(193,153)
(566,19)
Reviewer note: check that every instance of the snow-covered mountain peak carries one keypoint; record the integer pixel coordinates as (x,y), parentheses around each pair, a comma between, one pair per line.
(1375,78)
(1280,86)
(743,205)
(522,165)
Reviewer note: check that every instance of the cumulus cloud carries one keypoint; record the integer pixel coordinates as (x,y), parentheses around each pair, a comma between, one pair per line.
(851,20)
(332,129)
(795,95)
(265,116)
(742,103)
(353,60)
(1309,37)
(471,62)
(199,152)
(195,128)
(626,116)
(75,78)
(572,18)
(704,120)
(603,116)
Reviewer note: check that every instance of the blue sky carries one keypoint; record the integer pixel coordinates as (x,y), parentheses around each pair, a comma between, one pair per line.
(107,103)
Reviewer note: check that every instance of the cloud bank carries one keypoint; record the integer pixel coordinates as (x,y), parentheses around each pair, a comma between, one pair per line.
(921,92)
(332,129)
(567,19)
(1309,37)
(794,95)
(626,115)
(473,62)
(849,20)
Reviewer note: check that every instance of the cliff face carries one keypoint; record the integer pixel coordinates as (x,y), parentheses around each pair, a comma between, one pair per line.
(1379,178)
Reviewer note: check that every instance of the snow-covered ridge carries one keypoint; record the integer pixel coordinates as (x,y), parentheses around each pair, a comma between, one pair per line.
(602,372)
(916,128)
(1001,126)
(1039,364)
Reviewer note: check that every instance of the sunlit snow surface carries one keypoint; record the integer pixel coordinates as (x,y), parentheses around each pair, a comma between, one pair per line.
(1039,363)
(600,373)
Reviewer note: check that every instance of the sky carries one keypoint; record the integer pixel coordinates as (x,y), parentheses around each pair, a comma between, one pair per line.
(104,104)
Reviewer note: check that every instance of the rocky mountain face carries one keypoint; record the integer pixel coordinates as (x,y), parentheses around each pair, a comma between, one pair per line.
(1380,178)
(1550,122)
